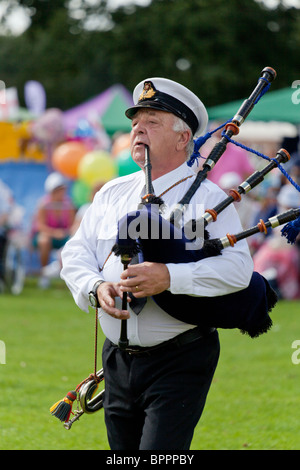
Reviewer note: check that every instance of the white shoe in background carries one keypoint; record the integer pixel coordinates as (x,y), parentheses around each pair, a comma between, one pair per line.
(52,270)
(43,282)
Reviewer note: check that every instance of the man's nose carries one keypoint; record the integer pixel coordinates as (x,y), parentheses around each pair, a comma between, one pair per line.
(139,128)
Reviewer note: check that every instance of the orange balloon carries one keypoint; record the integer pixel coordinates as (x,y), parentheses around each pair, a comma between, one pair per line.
(66,158)
(121,143)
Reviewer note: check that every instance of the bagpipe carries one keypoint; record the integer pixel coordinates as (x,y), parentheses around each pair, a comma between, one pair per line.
(248,309)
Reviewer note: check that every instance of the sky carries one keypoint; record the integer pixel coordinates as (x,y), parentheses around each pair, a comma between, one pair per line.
(18,21)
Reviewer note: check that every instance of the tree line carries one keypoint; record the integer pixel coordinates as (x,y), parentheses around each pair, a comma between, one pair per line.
(215,47)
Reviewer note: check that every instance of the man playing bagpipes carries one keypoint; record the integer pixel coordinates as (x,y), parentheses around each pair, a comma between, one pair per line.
(158,375)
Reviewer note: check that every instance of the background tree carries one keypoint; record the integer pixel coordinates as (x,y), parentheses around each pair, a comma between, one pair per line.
(224,45)
(217,48)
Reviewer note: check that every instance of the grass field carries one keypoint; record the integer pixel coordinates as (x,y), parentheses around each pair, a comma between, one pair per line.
(253,402)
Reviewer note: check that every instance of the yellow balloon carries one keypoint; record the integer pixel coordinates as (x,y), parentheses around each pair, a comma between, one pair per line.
(96,166)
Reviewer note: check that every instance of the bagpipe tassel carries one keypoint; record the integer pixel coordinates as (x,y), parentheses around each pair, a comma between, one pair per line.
(291,230)
(63,408)
(197,145)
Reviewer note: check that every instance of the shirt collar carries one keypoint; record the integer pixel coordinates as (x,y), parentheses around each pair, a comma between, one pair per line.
(167,180)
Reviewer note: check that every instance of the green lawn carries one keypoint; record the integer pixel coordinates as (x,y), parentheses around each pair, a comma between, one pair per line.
(253,402)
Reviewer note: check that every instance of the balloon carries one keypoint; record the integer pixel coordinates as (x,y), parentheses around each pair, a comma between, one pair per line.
(49,127)
(125,163)
(121,143)
(66,158)
(80,193)
(96,166)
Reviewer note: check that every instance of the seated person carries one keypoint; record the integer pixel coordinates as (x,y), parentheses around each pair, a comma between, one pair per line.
(53,269)
(53,220)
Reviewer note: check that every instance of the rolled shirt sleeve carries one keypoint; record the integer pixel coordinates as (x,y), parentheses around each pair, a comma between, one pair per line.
(80,266)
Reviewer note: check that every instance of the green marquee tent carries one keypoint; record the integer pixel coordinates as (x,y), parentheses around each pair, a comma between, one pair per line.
(114,119)
(278,105)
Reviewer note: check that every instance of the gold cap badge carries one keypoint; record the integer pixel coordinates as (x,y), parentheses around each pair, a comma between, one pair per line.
(148,91)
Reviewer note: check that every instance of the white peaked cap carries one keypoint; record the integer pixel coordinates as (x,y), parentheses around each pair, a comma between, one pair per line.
(166,95)
(54,181)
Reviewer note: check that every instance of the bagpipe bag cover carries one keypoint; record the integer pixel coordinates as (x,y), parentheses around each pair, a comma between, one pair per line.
(248,309)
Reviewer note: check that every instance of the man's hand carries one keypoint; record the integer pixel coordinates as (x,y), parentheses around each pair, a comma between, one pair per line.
(106,292)
(145,279)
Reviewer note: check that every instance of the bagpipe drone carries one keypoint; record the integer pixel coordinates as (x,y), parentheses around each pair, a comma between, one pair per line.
(248,309)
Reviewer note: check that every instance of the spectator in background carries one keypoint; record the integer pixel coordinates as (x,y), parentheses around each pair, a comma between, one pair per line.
(53,221)
(12,240)
(278,260)
(52,270)
(266,195)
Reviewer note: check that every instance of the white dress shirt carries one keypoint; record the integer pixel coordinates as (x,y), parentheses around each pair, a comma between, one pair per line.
(85,254)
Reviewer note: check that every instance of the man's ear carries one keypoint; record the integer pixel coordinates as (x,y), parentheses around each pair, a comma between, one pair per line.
(183,139)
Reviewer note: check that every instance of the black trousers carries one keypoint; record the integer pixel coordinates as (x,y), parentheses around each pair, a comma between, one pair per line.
(154,402)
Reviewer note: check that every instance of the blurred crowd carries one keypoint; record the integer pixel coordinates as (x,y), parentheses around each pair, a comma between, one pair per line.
(55,220)
(275,258)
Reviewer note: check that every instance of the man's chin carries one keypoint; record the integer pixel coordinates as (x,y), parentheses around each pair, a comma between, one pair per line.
(139,159)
